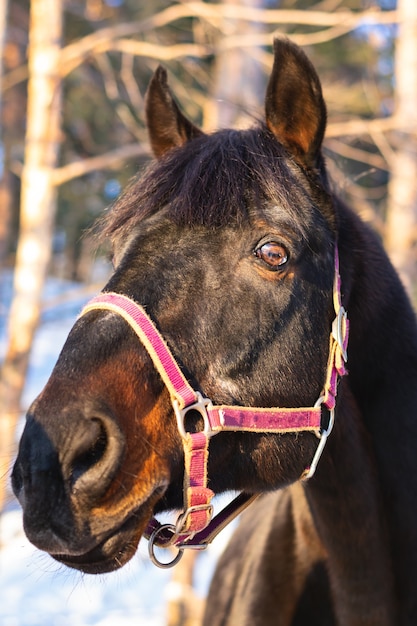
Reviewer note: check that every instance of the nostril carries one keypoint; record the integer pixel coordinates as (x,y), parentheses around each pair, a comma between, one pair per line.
(94,456)
(90,451)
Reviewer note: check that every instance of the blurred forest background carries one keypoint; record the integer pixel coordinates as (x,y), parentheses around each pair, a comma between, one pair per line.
(72,84)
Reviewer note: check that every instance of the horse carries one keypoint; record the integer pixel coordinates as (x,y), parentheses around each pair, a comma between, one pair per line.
(215,359)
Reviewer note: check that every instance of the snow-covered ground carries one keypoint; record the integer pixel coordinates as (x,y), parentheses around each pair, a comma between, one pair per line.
(37,591)
(34,589)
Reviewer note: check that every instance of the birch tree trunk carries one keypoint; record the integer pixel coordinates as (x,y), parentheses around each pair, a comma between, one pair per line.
(38,195)
(4,189)
(401,234)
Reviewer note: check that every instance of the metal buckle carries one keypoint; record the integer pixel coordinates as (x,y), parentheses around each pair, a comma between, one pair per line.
(201,407)
(182,519)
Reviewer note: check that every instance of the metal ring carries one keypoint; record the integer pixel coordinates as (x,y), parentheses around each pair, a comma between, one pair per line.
(151,548)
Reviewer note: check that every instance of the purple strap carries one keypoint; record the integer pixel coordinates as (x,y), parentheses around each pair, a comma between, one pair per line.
(261,420)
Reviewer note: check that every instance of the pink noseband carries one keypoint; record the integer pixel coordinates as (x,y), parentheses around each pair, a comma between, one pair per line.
(195,527)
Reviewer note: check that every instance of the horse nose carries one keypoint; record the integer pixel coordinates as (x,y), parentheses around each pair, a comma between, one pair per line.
(79,457)
(36,463)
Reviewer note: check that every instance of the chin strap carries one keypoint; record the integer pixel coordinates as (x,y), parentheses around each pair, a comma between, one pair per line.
(196,527)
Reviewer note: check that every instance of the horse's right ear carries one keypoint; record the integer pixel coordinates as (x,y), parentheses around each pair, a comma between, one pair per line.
(294,105)
(167,126)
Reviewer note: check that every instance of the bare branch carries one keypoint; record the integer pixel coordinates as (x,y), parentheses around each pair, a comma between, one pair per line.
(366,127)
(14,77)
(103,40)
(110,160)
(256,40)
(113,94)
(294,16)
(160,52)
(129,82)
(356,154)
(384,147)
(335,24)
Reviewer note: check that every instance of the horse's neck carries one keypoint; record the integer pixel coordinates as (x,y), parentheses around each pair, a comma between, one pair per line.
(364,494)
(346,504)
(383,340)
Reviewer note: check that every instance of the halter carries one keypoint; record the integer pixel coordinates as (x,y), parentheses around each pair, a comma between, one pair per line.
(196,527)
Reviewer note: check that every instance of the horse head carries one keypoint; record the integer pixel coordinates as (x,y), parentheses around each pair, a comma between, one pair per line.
(227,241)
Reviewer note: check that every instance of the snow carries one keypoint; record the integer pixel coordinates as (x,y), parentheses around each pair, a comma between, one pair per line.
(35,590)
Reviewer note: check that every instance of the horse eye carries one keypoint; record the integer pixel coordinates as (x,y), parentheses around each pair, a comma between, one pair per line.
(273,254)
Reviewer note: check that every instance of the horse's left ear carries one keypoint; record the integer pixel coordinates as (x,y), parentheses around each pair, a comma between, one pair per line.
(167,126)
(294,105)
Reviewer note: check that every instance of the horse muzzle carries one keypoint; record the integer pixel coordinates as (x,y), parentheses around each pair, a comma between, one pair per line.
(61,476)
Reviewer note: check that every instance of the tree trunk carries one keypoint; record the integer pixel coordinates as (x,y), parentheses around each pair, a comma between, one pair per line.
(4,186)
(38,195)
(184,607)
(239,78)
(401,234)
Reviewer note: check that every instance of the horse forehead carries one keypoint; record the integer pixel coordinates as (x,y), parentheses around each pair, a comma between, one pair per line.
(293,219)
(120,246)
(166,235)
(293,214)
(127,236)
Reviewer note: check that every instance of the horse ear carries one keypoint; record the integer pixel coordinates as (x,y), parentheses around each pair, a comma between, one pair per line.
(294,104)
(167,126)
